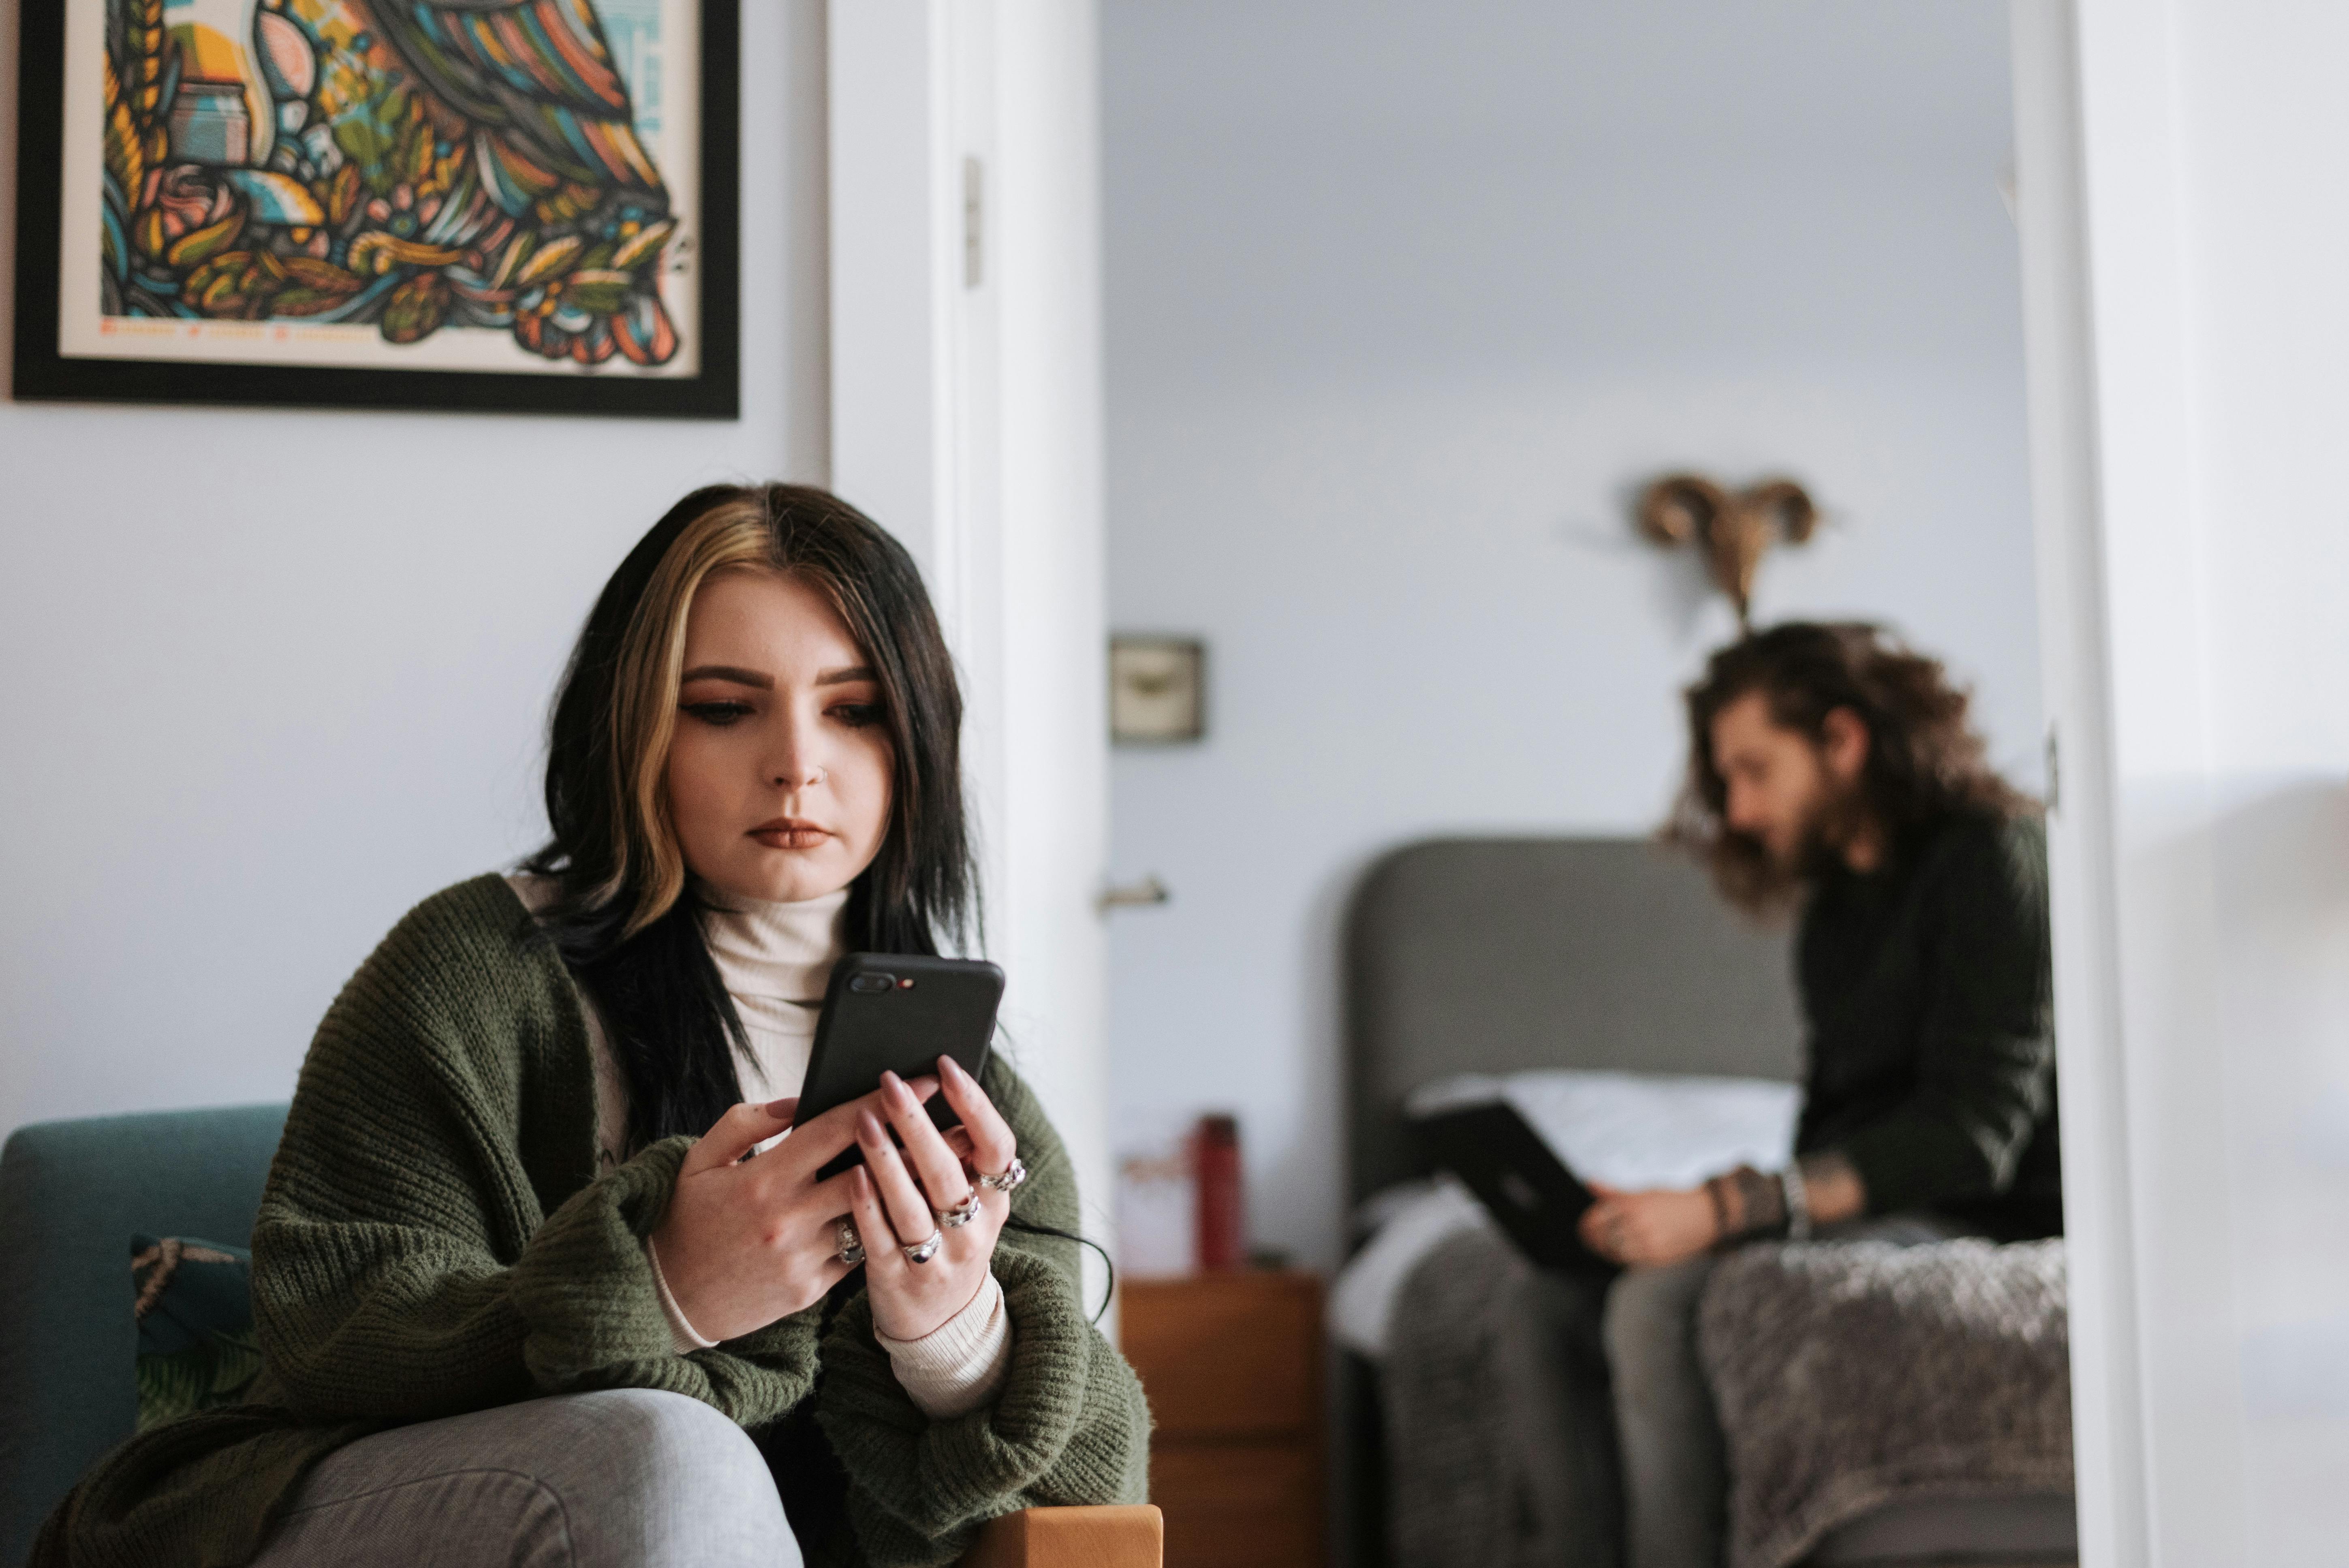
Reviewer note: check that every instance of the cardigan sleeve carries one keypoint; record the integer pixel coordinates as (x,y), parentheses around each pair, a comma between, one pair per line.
(402,1268)
(1069,1427)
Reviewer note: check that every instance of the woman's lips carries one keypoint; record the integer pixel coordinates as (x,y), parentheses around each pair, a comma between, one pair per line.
(790,834)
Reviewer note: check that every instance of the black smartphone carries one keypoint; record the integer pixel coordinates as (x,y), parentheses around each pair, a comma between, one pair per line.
(899,1013)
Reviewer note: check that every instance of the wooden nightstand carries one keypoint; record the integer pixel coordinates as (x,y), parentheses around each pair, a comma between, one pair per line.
(1232,1363)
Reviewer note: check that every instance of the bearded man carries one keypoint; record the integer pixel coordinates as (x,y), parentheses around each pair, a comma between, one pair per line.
(1833,772)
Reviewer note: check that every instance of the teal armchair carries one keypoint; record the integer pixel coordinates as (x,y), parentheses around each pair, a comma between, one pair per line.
(72,1193)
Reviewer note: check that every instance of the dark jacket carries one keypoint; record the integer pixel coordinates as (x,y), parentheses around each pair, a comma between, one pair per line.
(1926,988)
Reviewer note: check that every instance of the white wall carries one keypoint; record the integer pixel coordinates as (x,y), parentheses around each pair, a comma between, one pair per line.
(268,678)
(1404,300)
(2205,689)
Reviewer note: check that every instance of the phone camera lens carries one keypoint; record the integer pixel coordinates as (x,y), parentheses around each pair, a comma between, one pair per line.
(872,983)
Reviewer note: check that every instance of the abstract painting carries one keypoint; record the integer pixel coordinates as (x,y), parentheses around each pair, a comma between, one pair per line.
(492,204)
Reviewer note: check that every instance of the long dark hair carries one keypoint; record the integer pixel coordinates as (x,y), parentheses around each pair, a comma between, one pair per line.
(1925,760)
(627,914)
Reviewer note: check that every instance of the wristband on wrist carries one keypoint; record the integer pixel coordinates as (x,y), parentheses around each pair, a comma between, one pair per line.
(1716,1190)
(1748,1205)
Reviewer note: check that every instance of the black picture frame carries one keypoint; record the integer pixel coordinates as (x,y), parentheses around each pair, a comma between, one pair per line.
(42,373)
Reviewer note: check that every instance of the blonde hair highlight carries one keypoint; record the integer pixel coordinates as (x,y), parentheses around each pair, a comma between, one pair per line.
(734,533)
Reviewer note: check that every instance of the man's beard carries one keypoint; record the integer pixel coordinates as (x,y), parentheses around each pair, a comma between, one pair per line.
(1827,831)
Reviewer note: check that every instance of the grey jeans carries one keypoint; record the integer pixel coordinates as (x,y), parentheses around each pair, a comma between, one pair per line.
(617,1479)
(1675,1474)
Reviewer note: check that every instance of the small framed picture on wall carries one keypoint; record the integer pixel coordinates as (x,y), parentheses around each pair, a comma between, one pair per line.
(1157,690)
(510,205)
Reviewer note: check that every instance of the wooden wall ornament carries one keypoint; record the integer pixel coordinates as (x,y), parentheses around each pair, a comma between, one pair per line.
(1733,529)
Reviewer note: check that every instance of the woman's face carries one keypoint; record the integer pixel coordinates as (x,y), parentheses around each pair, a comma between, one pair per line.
(779,776)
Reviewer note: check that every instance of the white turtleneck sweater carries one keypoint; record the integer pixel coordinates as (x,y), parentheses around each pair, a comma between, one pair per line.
(774,960)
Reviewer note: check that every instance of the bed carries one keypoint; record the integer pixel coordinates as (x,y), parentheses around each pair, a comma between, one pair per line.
(1498,955)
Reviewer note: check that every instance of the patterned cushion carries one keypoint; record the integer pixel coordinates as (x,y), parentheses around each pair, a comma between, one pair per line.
(194,1307)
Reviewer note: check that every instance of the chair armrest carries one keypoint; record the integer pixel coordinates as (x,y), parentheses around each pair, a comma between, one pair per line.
(1123,1537)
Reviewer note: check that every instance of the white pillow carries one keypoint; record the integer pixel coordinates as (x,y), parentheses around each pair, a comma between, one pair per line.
(1637,1129)
(1416,1218)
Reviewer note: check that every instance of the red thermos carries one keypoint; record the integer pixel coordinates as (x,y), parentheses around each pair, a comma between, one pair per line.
(1221,1213)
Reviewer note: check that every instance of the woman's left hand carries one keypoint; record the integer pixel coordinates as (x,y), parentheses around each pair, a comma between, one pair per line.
(900,1198)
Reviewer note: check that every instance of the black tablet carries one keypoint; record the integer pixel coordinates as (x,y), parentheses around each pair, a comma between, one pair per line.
(1530,1192)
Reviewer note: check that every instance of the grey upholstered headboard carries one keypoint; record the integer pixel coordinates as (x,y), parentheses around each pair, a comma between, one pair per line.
(1495,955)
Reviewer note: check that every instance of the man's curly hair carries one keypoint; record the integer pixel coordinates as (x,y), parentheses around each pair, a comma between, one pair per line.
(1925,761)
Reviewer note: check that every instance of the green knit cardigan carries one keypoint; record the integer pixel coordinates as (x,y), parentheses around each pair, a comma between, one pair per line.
(434,1239)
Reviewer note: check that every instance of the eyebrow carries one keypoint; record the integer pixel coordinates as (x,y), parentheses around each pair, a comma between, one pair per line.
(740,677)
(734,673)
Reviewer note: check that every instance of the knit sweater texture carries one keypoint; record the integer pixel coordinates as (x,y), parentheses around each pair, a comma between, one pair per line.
(1929,992)
(434,1239)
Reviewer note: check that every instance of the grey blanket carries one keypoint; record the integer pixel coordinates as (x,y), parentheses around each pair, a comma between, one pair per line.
(1850,1376)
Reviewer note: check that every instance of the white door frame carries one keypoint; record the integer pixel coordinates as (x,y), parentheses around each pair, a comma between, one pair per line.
(966,417)
(2108,1411)
(2157,1385)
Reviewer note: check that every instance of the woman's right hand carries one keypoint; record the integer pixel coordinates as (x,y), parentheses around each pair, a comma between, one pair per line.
(747,1242)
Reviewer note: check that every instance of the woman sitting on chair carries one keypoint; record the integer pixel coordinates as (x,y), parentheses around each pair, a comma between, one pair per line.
(510,1308)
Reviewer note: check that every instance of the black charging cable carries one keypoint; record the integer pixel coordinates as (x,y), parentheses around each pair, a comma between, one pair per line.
(1013,1223)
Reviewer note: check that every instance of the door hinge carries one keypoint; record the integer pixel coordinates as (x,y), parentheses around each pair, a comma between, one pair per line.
(974,222)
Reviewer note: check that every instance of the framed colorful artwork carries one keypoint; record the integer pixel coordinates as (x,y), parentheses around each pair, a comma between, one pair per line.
(525,205)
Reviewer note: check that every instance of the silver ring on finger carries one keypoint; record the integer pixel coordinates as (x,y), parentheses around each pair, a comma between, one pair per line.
(923,1251)
(852,1245)
(1004,1181)
(961,1214)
